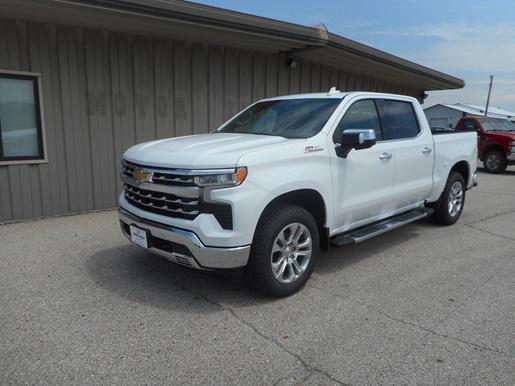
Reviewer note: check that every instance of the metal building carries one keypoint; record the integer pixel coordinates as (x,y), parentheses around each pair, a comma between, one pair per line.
(446,115)
(81,81)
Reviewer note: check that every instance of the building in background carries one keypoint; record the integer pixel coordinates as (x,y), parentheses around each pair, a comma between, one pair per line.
(81,81)
(444,115)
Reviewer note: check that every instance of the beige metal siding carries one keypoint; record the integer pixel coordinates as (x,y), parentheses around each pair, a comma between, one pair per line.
(103,92)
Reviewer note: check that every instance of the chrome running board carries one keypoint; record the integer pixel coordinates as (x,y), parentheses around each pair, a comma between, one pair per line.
(368,231)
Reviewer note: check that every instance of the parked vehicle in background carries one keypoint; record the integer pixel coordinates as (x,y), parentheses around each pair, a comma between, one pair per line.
(496,141)
(289,176)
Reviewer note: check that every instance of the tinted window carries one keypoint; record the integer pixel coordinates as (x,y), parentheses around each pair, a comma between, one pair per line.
(361,115)
(289,118)
(20,128)
(398,119)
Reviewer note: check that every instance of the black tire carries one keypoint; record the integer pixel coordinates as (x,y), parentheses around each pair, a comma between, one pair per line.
(495,161)
(442,214)
(259,269)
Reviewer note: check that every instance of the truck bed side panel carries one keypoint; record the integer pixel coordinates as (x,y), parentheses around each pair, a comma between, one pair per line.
(449,150)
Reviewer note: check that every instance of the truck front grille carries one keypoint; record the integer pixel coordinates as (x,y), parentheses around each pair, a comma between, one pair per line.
(169,193)
(160,177)
(162,203)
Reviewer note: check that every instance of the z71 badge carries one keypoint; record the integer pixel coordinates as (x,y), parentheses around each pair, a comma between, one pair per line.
(312,149)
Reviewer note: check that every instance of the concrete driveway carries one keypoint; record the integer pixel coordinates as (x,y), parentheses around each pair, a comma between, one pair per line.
(423,304)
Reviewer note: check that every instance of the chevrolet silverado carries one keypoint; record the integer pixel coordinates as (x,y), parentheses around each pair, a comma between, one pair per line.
(290,176)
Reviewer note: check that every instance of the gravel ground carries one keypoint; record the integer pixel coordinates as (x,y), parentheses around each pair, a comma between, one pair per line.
(422,304)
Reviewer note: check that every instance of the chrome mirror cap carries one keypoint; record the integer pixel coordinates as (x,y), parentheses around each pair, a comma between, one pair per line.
(363,134)
(355,139)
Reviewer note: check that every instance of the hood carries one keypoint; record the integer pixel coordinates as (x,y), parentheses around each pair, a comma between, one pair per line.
(202,151)
(506,135)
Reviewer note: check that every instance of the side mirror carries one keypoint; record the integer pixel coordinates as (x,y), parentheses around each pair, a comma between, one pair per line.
(355,139)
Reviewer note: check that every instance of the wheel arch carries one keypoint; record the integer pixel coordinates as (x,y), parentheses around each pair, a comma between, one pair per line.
(491,147)
(310,200)
(463,168)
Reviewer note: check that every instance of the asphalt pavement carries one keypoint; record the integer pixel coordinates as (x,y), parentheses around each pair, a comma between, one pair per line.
(423,304)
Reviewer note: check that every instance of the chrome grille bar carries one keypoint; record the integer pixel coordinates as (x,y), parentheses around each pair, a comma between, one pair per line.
(176,172)
(176,190)
(161,177)
(152,195)
(163,207)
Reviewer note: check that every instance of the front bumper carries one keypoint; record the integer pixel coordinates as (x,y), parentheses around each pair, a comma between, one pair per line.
(184,247)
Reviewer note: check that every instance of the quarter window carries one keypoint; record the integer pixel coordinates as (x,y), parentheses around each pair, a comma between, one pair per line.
(398,119)
(20,121)
(361,115)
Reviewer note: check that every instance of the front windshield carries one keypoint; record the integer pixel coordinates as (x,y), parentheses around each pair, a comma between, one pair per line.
(288,118)
(497,125)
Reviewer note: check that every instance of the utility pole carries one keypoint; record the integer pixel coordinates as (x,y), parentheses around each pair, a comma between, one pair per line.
(489,91)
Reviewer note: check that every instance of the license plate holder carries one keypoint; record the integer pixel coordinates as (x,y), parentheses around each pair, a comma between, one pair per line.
(140,236)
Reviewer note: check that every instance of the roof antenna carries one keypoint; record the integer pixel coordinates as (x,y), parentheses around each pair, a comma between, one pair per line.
(333,91)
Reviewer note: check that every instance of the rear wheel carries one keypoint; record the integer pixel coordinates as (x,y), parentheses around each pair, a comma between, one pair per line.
(450,205)
(495,161)
(284,251)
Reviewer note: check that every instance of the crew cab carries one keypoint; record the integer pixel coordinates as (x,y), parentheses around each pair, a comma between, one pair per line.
(496,141)
(289,176)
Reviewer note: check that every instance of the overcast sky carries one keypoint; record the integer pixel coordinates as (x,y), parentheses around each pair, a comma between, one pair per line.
(468,39)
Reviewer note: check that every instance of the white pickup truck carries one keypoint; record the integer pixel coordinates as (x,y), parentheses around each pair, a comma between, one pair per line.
(289,176)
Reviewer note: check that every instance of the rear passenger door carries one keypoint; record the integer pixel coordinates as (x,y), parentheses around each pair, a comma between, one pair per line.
(414,152)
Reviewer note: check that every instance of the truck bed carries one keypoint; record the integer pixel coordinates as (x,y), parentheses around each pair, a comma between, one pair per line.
(449,149)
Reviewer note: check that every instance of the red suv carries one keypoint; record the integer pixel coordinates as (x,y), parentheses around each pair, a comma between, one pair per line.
(496,141)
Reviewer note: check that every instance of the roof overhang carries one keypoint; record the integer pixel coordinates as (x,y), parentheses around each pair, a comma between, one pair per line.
(196,22)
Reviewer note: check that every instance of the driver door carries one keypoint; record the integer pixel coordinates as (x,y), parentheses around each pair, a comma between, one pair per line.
(362,182)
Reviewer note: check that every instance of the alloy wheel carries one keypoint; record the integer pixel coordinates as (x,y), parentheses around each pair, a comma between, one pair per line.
(291,252)
(455,198)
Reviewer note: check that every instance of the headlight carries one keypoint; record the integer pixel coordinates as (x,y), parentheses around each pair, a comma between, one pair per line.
(512,147)
(226,179)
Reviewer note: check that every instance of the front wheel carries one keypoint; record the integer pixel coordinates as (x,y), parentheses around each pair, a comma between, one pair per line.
(495,161)
(284,251)
(450,205)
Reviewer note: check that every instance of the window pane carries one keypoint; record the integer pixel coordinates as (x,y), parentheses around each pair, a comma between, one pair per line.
(289,118)
(398,119)
(497,124)
(470,124)
(361,115)
(18,118)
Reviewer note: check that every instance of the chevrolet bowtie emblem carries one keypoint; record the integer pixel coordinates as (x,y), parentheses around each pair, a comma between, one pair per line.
(141,176)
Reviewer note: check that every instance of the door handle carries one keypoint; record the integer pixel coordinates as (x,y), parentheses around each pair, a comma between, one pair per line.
(427,150)
(385,155)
